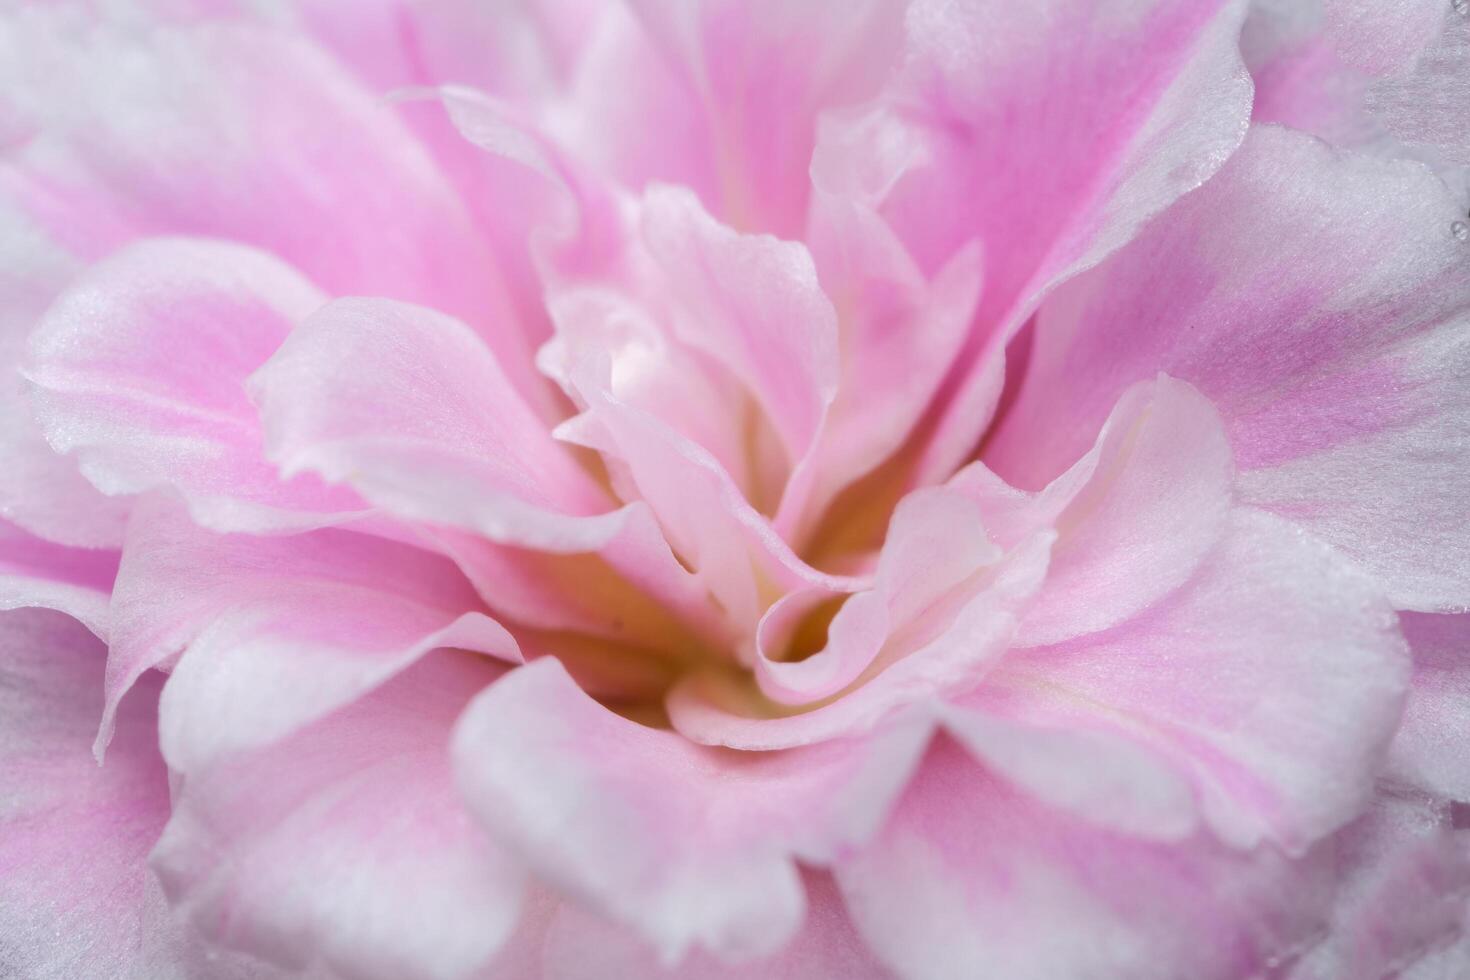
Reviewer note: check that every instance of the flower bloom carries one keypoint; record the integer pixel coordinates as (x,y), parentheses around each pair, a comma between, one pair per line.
(734,488)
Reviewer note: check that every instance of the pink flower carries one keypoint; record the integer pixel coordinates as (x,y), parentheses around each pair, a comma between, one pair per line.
(734,488)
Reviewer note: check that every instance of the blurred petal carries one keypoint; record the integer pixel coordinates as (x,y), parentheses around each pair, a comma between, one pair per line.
(751,77)
(76,581)
(1403,882)
(40,490)
(76,896)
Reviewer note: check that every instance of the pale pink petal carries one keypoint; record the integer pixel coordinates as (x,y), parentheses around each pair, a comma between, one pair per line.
(1301,80)
(1379,36)
(1329,332)
(140,366)
(1101,776)
(411,409)
(582,946)
(40,490)
(754,76)
(691,846)
(36,572)
(1274,679)
(227,130)
(1423,108)
(1430,749)
(950,643)
(708,522)
(652,371)
(76,896)
(1403,883)
(754,304)
(934,561)
(898,333)
(276,631)
(1051,148)
(347,841)
(1134,517)
(972,878)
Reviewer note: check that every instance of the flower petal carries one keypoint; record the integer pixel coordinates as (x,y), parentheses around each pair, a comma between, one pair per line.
(971,878)
(1404,874)
(39,490)
(1134,517)
(1341,384)
(1274,678)
(1379,36)
(1429,750)
(946,649)
(347,841)
(582,946)
(76,896)
(751,77)
(753,303)
(140,370)
(411,409)
(691,846)
(275,631)
(1052,149)
(76,581)
(136,130)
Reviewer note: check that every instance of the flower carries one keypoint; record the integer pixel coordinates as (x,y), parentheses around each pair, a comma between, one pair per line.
(568,488)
